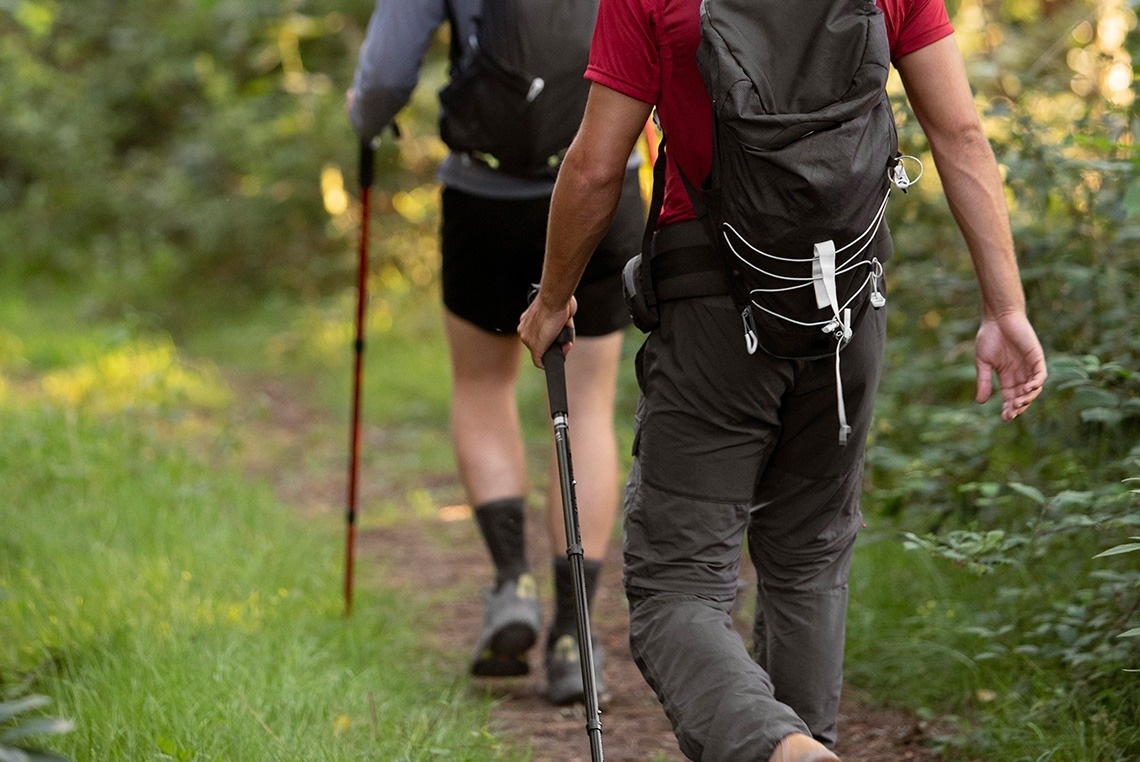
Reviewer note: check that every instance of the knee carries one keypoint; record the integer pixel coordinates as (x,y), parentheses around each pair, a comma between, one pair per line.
(675,616)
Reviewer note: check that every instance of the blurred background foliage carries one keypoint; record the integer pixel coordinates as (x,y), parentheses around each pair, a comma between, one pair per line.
(1055,82)
(179,162)
(156,151)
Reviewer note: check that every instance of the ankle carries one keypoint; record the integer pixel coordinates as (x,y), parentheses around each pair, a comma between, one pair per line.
(565,619)
(503,526)
(799,747)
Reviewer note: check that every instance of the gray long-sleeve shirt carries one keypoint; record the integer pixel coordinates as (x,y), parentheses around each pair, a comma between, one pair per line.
(388,70)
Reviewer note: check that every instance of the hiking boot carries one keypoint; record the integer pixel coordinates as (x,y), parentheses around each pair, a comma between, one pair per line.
(511,617)
(564,672)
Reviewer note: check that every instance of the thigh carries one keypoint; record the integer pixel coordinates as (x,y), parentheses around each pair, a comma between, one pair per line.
(707,419)
(674,543)
(711,412)
(806,505)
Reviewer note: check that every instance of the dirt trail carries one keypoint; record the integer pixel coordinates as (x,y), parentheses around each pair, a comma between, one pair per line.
(440,559)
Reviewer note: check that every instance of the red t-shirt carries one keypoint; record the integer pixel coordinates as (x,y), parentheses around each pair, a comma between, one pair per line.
(647,49)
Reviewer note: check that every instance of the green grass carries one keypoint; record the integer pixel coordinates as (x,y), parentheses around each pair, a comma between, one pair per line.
(175,610)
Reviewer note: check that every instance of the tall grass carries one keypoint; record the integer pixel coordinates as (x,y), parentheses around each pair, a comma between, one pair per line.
(175,610)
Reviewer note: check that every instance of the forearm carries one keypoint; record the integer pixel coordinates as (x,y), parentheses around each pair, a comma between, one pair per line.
(581,210)
(585,198)
(938,91)
(588,189)
(974,192)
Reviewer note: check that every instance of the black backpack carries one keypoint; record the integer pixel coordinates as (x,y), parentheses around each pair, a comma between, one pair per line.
(515,101)
(804,150)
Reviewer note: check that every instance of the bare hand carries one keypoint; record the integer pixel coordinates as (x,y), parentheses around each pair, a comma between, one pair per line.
(540,325)
(1008,346)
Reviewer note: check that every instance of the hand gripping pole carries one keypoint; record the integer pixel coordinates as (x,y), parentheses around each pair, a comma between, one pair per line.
(555,364)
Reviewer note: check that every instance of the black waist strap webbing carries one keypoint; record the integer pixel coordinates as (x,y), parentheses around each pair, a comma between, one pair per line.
(683,264)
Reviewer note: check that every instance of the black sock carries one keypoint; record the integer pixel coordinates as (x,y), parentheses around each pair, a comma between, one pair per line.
(502,523)
(565,611)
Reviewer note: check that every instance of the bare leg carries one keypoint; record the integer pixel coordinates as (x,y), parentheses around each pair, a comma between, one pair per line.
(484,412)
(489,452)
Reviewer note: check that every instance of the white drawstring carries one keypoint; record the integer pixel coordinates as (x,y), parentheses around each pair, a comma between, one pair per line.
(899,176)
(842,332)
(825,270)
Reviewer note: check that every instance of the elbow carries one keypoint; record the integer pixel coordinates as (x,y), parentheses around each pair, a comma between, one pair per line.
(592,169)
(962,137)
(373,109)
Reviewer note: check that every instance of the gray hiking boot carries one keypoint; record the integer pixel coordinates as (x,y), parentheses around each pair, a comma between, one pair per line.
(511,617)
(564,683)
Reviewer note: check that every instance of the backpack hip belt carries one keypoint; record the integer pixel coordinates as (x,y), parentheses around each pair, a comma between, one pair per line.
(678,263)
(685,264)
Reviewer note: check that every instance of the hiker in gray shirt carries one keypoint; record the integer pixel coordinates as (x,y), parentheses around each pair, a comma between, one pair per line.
(492,238)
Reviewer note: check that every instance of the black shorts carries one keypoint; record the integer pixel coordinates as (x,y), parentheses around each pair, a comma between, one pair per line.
(492,254)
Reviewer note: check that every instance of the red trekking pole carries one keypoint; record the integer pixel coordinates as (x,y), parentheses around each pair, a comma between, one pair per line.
(366,172)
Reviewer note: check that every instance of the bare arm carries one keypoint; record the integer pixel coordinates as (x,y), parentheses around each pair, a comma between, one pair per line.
(585,198)
(938,91)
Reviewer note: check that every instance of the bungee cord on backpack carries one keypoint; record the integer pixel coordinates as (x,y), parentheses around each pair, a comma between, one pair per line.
(824,270)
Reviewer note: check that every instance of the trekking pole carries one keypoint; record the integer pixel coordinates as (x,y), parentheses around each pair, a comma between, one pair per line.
(555,364)
(366,171)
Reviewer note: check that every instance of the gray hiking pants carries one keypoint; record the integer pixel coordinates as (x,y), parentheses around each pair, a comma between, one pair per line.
(730,445)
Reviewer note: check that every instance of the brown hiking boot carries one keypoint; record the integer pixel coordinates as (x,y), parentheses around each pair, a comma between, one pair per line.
(800,748)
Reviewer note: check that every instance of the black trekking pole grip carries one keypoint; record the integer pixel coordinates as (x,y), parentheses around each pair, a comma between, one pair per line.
(555,364)
(367,163)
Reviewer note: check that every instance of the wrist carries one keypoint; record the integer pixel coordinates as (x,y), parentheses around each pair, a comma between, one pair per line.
(553,304)
(998,314)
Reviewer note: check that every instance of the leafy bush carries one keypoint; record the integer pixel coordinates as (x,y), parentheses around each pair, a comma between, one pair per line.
(1034,503)
(150,147)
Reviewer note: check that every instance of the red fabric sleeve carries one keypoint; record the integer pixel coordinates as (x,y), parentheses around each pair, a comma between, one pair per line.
(914,24)
(623,54)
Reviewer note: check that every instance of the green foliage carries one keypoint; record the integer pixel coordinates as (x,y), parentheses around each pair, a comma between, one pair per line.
(147,148)
(173,158)
(1031,505)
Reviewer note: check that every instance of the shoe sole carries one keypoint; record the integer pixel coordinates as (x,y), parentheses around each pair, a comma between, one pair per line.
(573,696)
(505,655)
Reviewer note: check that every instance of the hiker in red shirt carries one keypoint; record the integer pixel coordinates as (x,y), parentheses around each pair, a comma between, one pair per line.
(731,444)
